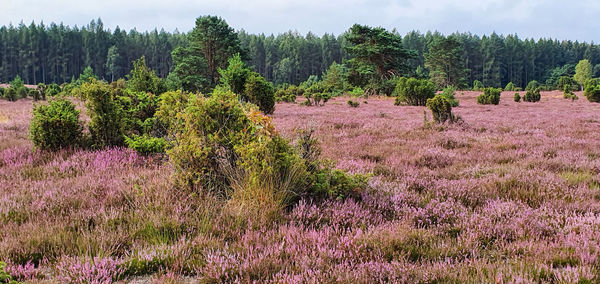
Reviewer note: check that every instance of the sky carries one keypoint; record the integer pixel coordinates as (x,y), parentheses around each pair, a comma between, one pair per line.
(572,20)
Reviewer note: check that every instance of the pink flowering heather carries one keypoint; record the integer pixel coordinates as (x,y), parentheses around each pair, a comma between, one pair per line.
(509,195)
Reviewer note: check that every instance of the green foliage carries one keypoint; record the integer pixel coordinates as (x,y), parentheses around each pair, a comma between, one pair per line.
(352,103)
(511,87)
(143,79)
(441,108)
(444,61)
(236,74)
(260,92)
(10,94)
(517,97)
(448,93)
(317,94)
(53,90)
(376,55)
(4,276)
(138,109)
(583,72)
(357,92)
(171,106)
(335,77)
(288,94)
(414,92)
(56,126)
(568,93)
(312,80)
(106,123)
(211,43)
(567,82)
(532,96)
(531,86)
(146,145)
(42,89)
(87,76)
(17,83)
(337,184)
(478,86)
(592,90)
(490,96)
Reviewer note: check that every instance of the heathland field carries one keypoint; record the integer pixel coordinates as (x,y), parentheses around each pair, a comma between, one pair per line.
(509,193)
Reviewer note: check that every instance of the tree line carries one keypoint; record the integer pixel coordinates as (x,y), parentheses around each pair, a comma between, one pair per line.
(58,53)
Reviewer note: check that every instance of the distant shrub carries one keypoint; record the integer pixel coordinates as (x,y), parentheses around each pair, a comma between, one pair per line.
(441,108)
(532,96)
(56,126)
(532,86)
(146,145)
(448,93)
(357,92)
(511,87)
(592,90)
(490,96)
(35,94)
(260,92)
(414,92)
(10,94)
(2,92)
(478,86)
(352,103)
(42,89)
(22,92)
(288,94)
(106,114)
(517,97)
(568,93)
(53,90)
(567,82)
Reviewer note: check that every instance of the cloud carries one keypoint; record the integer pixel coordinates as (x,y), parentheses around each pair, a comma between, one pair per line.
(528,18)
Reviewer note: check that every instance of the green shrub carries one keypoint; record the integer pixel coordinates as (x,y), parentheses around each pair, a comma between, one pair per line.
(260,92)
(288,94)
(169,115)
(35,94)
(533,85)
(4,276)
(138,109)
(53,90)
(106,124)
(490,96)
(592,90)
(335,183)
(448,93)
(441,108)
(478,86)
(56,126)
(10,94)
(143,79)
(146,145)
(414,91)
(357,92)
(517,97)
(22,92)
(567,82)
(532,96)
(510,87)
(352,103)
(235,75)
(568,93)
(42,89)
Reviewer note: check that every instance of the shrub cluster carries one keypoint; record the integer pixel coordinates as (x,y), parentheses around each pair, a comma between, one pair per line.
(317,94)
(533,85)
(592,90)
(352,103)
(56,125)
(441,108)
(568,93)
(490,96)
(226,147)
(511,87)
(478,86)
(288,93)
(517,97)
(532,96)
(414,92)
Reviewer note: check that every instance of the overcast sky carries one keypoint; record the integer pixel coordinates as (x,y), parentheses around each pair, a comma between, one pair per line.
(575,20)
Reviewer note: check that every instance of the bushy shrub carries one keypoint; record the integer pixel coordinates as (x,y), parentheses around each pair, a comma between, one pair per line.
(478,86)
(592,90)
(517,97)
(288,93)
(146,145)
(441,108)
(138,109)
(532,96)
(106,114)
(42,89)
(490,96)
(568,93)
(414,92)
(352,103)
(567,82)
(317,95)
(260,92)
(143,79)
(448,93)
(10,94)
(511,87)
(56,126)
(357,92)
(22,92)
(532,86)
(53,90)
